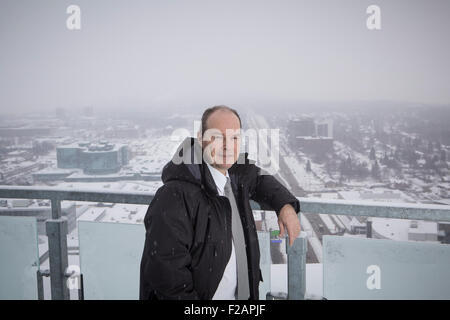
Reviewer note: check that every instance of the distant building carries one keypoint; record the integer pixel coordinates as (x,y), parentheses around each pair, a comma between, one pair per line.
(420,231)
(69,157)
(305,134)
(444,232)
(123,132)
(324,129)
(357,227)
(302,127)
(93,158)
(25,132)
(314,144)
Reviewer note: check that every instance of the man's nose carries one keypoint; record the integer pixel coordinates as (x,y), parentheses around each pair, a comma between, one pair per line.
(228,142)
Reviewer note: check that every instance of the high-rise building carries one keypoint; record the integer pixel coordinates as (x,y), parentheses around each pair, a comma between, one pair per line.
(324,129)
(306,134)
(93,158)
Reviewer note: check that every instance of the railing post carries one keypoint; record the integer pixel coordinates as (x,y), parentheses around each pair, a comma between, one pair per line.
(369,227)
(56,229)
(40,285)
(265,263)
(297,267)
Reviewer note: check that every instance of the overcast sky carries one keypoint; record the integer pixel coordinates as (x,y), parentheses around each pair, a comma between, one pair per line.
(145,53)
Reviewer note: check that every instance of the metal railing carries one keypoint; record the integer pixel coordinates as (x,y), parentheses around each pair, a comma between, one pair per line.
(56,227)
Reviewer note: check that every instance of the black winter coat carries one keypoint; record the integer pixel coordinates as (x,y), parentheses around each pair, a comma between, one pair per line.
(188,227)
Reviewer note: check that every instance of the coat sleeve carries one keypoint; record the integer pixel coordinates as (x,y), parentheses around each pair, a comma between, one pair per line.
(268,191)
(165,265)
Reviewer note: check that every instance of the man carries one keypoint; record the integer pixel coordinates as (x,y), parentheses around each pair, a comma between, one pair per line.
(201,240)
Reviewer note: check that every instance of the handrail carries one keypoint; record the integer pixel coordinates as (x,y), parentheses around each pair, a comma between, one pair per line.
(69,194)
(367,208)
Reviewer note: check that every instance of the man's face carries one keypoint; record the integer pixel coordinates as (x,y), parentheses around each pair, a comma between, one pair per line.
(222,141)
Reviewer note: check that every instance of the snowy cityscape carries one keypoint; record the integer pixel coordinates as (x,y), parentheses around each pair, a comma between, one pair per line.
(397,155)
(345,104)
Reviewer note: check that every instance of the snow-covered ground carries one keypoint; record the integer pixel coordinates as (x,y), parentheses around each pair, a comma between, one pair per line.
(343,151)
(305,179)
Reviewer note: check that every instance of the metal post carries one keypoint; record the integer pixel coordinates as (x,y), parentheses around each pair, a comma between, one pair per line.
(297,267)
(265,263)
(57,246)
(369,228)
(81,289)
(40,285)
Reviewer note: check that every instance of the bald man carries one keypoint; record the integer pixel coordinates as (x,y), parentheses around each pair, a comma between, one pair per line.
(201,240)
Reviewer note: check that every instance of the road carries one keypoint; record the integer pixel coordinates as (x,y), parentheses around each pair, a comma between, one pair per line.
(298,191)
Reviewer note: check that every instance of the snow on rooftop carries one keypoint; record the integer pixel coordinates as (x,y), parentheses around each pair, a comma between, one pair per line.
(329,195)
(92,214)
(377,194)
(57,171)
(125,213)
(132,186)
(400,229)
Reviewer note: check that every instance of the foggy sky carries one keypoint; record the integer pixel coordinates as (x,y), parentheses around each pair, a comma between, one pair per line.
(146,53)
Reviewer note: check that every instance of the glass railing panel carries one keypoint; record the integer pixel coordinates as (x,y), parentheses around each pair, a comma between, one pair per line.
(19,258)
(362,268)
(110,255)
(265,263)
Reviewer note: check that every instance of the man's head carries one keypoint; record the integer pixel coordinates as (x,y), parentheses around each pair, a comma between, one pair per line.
(220,136)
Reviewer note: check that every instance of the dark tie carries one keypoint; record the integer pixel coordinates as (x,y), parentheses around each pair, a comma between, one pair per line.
(243,289)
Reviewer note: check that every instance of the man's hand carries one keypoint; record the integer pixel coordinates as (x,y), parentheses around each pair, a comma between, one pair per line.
(287,219)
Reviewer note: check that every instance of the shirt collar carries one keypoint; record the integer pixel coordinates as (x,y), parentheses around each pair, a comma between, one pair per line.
(219,178)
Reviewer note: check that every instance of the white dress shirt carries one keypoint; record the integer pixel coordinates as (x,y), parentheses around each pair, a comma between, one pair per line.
(227,286)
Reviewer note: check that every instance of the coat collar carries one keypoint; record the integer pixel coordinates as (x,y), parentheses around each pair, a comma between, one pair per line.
(189,166)
(219,178)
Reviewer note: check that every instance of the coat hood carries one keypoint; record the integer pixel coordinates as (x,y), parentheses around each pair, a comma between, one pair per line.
(187,165)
